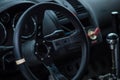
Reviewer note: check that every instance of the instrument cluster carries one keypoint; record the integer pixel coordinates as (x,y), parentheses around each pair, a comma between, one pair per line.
(9,15)
(8,20)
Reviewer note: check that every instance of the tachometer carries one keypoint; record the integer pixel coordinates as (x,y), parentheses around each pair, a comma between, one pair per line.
(3,33)
(29,28)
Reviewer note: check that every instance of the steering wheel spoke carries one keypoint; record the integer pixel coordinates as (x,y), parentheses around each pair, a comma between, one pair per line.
(70,40)
(6,48)
(54,73)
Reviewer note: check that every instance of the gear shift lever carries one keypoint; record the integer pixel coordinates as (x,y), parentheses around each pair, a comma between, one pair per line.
(113,40)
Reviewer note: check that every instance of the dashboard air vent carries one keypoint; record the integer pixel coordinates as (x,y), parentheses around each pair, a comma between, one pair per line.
(60,16)
(77,6)
(81,11)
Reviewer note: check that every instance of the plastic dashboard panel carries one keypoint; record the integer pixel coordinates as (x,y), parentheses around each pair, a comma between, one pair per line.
(101,10)
(7,4)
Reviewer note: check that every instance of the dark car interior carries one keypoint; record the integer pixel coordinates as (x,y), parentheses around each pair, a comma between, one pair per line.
(59,39)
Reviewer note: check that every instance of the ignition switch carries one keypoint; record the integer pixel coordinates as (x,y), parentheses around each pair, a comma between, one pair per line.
(93,33)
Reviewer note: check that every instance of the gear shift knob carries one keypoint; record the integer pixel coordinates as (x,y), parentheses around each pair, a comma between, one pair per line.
(112,39)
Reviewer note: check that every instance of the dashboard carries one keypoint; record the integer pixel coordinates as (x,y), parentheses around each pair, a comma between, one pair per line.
(97,20)
(9,14)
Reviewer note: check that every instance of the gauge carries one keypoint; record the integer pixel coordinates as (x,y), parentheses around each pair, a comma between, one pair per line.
(29,28)
(3,33)
(5,17)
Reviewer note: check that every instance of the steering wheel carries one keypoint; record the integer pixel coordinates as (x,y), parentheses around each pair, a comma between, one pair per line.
(45,49)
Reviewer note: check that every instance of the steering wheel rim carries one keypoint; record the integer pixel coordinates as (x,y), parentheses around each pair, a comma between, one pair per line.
(41,7)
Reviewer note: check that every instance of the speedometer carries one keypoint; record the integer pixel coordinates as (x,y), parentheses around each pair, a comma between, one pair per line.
(3,33)
(29,28)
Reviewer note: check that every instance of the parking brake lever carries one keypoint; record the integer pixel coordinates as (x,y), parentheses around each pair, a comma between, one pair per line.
(113,41)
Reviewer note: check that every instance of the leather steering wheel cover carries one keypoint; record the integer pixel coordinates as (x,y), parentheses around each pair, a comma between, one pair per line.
(42,7)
